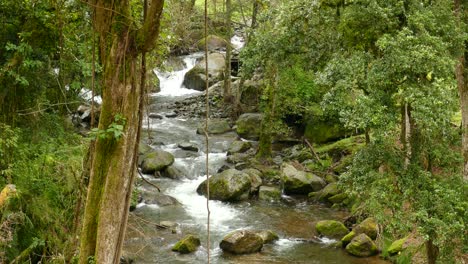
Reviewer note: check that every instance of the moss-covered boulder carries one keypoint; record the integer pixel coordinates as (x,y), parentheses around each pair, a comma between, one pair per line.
(172,172)
(239,146)
(338,199)
(396,246)
(159,199)
(300,182)
(186,245)
(255,179)
(213,42)
(156,161)
(195,79)
(215,126)
(248,125)
(331,228)
(230,185)
(362,246)
(327,192)
(270,194)
(368,227)
(268,236)
(346,239)
(321,131)
(242,242)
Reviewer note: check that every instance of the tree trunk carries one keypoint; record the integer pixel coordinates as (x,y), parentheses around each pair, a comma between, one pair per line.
(462,83)
(114,159)
(266,135)
(227,71)
(432,252)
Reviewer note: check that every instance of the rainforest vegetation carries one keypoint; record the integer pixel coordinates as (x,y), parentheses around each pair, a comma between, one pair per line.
(359,107)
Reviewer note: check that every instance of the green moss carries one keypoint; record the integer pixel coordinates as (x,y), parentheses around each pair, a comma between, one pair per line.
(186,245)
(346,239)
(331,228)
(350,145)
(396,246)
(322,131)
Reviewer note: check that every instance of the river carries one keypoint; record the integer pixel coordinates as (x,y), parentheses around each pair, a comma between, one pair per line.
(292,219)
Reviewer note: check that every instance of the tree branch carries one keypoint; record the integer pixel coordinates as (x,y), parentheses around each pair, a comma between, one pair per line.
(147,35)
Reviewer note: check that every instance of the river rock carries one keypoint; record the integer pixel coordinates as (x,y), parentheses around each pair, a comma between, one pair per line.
(268,236)
(327,192)
(242,242)
(270,194)
(331,228)
(188,146)
(239,147)
(249,125)
(229,185)
(172,172)
(255,179)
(174,63)
(156,161)
(362,246)
(155,116)
(144,148)
(300,182)
(237,158)
(368,227)
(215,126)
(213,42)
(195,79)
(186,245)
(159,199)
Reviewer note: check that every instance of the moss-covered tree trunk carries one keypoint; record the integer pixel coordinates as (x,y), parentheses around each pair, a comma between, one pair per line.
(269,119)
(114,159)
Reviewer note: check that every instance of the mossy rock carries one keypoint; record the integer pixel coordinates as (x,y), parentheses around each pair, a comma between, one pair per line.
(213,43)
(230,185)
(339,198)
(267,193)
(156,161)
(215,126)
(396,246)
(331,228)
(195,79)
(268,236)
(319,131)
(300,182)
(362,246)
(327,192)
(186,245)
(368,226)
(239,147)
(242,242)
(248,125)
(255,179)
(347,239)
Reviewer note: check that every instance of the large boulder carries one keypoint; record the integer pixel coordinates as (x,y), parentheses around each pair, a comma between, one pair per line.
(186,245)
(215,126)
(362,246)
(322,131)
(213,42)
(156,161)
(248,125)
(229,185)
(242,242)
(195,78)
(331,228)
(172,172)
(300,182)
(239,146)
(327,192)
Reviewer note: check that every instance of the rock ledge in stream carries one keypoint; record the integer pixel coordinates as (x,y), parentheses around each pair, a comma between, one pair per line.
(242,242)
(229,185)
(215,127)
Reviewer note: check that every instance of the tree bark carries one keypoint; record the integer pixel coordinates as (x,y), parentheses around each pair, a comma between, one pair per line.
(227,71)
(462,83)
(113,166)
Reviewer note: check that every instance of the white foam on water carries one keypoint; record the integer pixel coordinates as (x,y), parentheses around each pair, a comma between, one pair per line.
(171,83)
(238,42)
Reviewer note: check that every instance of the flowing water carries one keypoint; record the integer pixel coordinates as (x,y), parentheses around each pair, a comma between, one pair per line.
(292,219)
